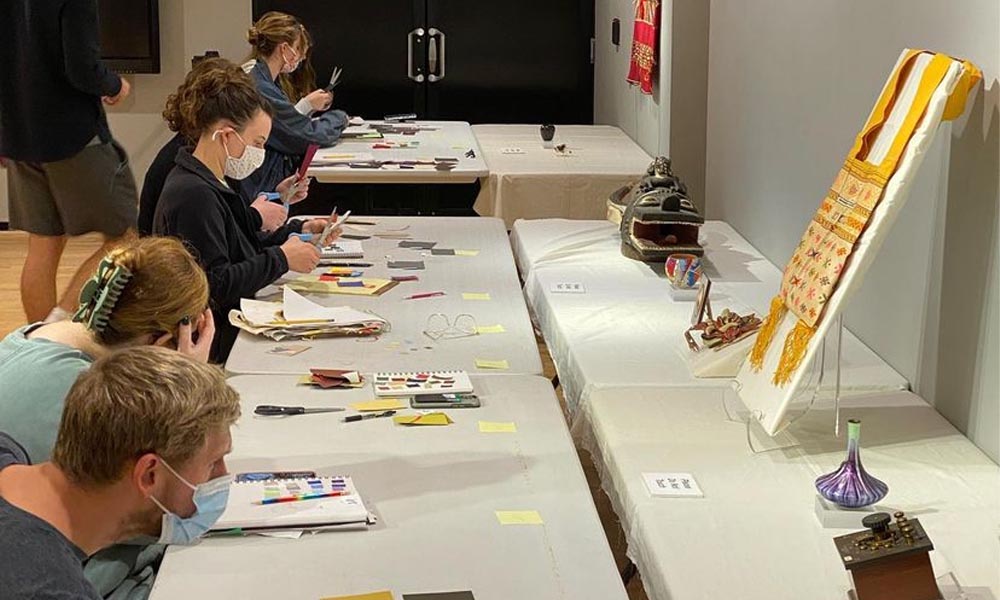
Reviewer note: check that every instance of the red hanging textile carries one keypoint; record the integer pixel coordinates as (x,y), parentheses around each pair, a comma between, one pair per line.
(645,41)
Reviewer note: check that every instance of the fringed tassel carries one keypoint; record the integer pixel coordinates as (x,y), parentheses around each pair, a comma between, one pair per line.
(791,355)
(766,333)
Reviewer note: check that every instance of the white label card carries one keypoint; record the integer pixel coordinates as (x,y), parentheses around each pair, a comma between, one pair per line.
(511,150)
(672,485)
(568,288)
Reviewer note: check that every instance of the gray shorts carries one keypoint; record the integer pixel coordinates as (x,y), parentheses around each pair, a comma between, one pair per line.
(91,191)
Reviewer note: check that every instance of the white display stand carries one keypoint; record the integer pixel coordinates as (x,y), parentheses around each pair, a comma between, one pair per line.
(768,403)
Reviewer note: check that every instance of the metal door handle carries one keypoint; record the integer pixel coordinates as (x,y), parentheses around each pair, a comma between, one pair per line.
(437,56)
(415,76)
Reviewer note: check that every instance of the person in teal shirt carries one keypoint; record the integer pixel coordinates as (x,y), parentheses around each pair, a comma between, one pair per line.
(146,292)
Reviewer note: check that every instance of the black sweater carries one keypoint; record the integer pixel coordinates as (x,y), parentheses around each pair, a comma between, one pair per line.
(51,79)
(217,225)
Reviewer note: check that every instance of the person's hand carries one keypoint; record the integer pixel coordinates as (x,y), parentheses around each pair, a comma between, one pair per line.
(318,226)
(122,93)
(272,215)
(197,349)
(320,99)
(302,257)
(186,344)
(301,190)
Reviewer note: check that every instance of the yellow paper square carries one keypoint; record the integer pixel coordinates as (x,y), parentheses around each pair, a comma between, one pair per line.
(482,363)
(490,329)
(305,380)
(494,427)
(466,252)
(380,404)
(519,517)
(387,595)
(475,296)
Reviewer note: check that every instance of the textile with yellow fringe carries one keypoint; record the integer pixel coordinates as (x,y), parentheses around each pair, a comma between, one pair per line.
(824,253)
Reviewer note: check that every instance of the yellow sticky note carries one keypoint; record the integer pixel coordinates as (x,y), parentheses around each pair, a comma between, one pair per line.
(466,252)
(490,329)
(381,404)
(387,595)
(305,380)
(519,517)
(475,296)
(493,427)
(433,419)
(482,363)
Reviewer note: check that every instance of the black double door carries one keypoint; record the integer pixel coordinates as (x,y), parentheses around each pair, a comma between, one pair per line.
(504,61)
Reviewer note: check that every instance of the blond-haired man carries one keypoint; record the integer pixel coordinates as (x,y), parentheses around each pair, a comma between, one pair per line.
(141,451)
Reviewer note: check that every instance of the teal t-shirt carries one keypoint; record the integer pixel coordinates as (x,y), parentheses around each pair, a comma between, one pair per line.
(35,376)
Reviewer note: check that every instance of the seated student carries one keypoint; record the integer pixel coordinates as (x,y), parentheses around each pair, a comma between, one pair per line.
(269,215)
(140,452)
(279,45)
(162,299)
(222,109)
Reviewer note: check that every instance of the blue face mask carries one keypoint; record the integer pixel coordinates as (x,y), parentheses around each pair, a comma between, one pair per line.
(210,500)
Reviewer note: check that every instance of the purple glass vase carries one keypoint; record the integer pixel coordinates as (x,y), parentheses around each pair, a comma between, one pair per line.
(851,486)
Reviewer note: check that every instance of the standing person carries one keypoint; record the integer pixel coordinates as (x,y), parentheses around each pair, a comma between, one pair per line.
(66,174)
(141,451)
(222,110)
(279,44)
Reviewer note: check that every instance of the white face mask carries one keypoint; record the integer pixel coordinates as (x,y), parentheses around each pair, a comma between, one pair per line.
(241,167)
(289,67)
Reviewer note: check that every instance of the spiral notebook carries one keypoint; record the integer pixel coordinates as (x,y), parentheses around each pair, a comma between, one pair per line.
(343,249)
(248,508)
(419,383)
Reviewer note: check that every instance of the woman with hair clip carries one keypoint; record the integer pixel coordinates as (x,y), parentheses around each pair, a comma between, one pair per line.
(221,109)
(145,292)
(279,45)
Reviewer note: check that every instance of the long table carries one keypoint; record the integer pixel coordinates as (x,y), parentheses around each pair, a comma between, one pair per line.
(444,139)
(628,314)
(527,181)
(405,347)
(754,535)
(435,491)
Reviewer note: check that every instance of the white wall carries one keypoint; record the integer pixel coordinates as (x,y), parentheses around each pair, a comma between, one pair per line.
(187,27)
(671,121)
(790,84)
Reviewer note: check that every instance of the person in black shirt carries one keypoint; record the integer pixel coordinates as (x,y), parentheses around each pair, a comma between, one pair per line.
(66,175)
(220,107)
(107,483)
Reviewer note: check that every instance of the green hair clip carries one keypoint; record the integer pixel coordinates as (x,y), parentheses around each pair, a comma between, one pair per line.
(100,294)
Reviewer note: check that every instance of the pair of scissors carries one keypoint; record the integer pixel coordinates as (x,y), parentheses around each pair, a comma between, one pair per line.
(268,410)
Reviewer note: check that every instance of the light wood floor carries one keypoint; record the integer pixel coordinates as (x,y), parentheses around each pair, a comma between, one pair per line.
(13,246)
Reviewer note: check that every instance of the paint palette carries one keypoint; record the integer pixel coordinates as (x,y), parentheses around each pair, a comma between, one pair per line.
(422,382)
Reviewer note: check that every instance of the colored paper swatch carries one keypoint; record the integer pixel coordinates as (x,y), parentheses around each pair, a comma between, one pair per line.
(475,296)
(386,595)
(497,427)
(490,329)
(378,405)
(519,517)
(432,419)
(482,363)
(466,252)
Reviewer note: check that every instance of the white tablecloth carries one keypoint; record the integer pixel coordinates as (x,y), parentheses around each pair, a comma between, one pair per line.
(754,536)
(435,491)
(405,347)
(451,139)
(542,183)
(626,329)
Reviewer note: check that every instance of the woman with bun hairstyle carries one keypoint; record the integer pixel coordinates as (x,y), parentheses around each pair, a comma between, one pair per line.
(148,291)
(279,45)
(222,111)
(271,216)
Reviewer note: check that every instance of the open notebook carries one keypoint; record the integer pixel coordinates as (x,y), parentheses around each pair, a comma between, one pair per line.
(246,509)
